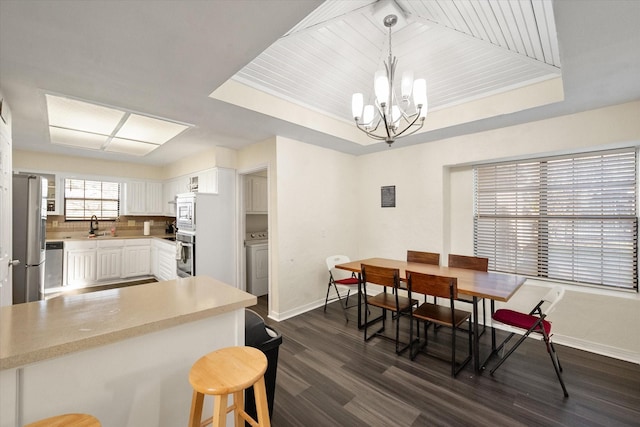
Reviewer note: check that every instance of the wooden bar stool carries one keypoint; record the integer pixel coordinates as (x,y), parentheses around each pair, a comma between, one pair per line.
(228,371)
(67,420)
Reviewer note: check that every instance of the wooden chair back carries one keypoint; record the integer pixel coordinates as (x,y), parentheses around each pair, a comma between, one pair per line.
(423,257)
(429,284)
(469,262)
(383,276)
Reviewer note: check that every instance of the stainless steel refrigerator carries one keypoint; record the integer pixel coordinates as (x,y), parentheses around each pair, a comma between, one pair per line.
(29,234)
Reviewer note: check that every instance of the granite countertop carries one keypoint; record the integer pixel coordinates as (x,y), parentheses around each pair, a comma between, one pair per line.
(40,330)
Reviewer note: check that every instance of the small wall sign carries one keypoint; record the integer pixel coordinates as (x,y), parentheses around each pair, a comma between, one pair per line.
(388,196)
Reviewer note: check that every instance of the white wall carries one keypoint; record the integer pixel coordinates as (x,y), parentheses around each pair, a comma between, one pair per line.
(328,202)
(316,217)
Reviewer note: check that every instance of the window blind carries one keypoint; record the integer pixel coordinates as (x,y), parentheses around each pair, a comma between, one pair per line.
(565,218)
(84,198)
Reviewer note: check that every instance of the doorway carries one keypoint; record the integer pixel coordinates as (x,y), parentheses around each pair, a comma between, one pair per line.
(255,233)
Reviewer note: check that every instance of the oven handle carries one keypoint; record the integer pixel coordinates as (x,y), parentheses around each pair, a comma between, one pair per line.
(183,251)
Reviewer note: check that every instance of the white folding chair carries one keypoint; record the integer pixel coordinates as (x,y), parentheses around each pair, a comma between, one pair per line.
(340,279)
(536,322)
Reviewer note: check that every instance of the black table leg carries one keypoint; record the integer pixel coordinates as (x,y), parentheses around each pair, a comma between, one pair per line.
(360,324)
(476,337)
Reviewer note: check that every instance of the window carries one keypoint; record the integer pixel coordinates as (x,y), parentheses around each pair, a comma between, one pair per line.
(564,218)
(84,198)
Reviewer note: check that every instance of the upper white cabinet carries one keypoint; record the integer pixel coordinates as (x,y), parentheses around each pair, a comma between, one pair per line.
(208,181)
(255,200)
(154,198)
(170,188)
(142,198)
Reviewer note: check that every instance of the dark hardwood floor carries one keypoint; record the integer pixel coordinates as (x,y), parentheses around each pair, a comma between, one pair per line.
(328,376)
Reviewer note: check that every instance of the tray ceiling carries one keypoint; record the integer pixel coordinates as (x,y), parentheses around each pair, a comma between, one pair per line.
(466,49)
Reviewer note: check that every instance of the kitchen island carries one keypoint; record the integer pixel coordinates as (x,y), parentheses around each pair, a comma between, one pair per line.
(122,355)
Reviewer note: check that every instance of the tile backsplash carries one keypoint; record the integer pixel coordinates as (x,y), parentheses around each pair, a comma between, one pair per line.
(57,227)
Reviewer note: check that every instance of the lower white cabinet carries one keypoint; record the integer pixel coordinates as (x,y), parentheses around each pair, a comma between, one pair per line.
(163,260)
(81,267)
(136,258)
(109,264)
(92,262)
(79,263)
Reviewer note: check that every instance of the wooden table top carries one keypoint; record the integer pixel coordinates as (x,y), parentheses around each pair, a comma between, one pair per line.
(481,284)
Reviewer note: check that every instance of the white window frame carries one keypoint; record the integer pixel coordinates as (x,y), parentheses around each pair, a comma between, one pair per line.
(567,218)
(93,204)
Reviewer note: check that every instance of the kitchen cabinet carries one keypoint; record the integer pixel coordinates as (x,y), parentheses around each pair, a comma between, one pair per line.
(109,264)
(208,181)
(136,258)
(154,259)
(170,189)
(256,195)
(80,263)
(109,260)
(163,259)
(143,198)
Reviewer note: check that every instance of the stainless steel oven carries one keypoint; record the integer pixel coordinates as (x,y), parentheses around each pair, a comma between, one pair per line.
(186,254)
(186,212)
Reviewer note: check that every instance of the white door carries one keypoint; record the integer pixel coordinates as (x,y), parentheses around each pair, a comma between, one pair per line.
(6,293)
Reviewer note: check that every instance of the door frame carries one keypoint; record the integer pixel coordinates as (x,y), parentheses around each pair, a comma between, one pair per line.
(242,255)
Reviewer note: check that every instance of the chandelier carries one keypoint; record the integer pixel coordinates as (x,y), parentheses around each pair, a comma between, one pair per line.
(396,117)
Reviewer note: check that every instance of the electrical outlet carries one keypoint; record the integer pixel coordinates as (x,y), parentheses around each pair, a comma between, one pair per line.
(55,223)
(150,222)
(131,223)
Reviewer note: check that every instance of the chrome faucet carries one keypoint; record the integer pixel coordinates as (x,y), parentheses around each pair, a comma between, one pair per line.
(94,220)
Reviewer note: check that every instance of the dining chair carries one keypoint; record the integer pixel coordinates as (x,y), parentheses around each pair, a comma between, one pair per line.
(432,258)
(338,279)
(446,316)
(471,263)
(534,321)
(399,305)
(423,257)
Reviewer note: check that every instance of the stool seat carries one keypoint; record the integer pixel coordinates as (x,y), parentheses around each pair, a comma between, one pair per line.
(228,371)
(67,420)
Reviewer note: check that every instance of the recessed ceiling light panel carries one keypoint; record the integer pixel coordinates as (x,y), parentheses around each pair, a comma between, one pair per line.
(76,138)
(96,127)
(127,146)
(148,129)
(71,114)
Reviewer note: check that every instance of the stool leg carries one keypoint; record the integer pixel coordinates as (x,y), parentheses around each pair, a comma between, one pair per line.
(220,410)
(262,407)
(196,409)
(238,403)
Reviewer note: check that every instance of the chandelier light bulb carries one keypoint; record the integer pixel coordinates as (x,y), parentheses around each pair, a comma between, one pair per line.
(367,117)
(381,87)
(407,84)
(395,116)
(420,92)
(357,101)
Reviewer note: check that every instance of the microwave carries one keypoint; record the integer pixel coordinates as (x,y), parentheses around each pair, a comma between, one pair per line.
(186,212)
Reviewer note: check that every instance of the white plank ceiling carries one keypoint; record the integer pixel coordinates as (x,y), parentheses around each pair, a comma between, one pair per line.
(466,49)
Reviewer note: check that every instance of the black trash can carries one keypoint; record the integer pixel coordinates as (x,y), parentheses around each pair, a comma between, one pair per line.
(257,334)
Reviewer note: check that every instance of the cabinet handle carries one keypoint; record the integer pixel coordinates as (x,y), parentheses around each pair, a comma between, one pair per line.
(14,263)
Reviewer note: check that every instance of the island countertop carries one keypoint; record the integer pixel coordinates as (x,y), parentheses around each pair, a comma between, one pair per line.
(40,330)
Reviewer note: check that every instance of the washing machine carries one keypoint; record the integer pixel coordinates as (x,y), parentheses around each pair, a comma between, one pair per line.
(257,264)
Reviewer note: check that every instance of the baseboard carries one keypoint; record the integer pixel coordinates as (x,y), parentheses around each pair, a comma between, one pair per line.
(591,347)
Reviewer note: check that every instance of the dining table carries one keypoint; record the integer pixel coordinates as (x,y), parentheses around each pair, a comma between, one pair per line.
(475,284)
